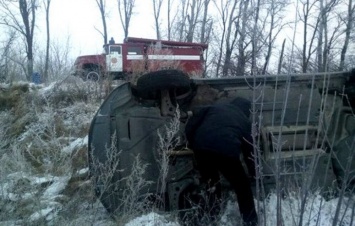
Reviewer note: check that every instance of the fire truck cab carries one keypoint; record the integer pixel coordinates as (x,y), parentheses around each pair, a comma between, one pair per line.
(138,55)
(114,58)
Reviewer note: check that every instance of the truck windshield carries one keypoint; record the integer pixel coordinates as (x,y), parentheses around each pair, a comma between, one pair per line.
(115,49)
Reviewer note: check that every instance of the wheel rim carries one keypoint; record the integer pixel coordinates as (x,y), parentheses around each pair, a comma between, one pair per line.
(93,76)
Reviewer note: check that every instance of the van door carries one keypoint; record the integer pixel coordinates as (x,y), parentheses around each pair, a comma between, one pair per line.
(114,58)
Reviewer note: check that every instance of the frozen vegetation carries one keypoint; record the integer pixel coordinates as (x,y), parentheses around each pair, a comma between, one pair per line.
(44,173)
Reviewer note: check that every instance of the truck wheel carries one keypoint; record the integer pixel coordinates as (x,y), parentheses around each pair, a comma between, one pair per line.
(149,84)
(344,162)
(92,76)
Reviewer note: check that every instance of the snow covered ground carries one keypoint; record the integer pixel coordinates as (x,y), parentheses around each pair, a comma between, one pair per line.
(43,170)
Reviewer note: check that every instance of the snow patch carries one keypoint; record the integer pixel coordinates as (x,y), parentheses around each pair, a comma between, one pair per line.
(55,188)
(10,189)
(47,89)
(78,143)
(48,213)
(16,197)
(82,171)
(230,214)
(317,210)
(151,219)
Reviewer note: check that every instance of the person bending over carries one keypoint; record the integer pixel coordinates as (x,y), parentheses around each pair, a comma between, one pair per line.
(217,134)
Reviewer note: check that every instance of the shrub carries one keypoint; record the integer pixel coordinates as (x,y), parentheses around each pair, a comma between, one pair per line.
(11,96)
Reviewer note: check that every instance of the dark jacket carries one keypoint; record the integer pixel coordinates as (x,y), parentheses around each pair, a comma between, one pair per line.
(223,129)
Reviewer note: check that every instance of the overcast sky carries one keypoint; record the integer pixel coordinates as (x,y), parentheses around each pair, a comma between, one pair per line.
(78,19)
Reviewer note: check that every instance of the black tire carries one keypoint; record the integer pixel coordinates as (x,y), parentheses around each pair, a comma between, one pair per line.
(93,76)
(149,84)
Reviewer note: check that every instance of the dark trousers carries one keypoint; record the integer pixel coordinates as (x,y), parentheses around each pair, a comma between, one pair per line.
(210,164)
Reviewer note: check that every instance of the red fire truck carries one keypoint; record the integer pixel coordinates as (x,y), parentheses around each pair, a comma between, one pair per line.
(137,55)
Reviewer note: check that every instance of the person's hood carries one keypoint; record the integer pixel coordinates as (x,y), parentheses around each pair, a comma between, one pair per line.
(243,104)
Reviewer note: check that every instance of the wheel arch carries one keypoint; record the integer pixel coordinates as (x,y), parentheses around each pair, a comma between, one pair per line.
(92,66)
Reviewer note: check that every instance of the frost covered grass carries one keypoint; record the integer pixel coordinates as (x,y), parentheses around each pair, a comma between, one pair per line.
(43,137)
(132,202)
(44,172)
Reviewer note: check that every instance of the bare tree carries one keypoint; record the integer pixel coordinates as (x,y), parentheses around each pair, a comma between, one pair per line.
(204,37)
(281,57)
(170,2)
(222,12)
(206,29)
(349,24)
(125,10)
(240,70)
(175,24)
(195,7)
(254,42)
(181,24)
(321,32)
(47,4)
(230,20)
(157,8)
(24,25)
(323,45)
(187,19)
(308,49)
(60,60)
(101,4)
(274,11)
(5,57)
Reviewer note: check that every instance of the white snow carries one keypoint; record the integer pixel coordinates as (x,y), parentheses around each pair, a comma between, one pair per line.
(151,219)
(9,190)
(41,180)
(48,213)
(78,143)
(16,197)
(319,212)
(48,88)
(82,171)
(54,189)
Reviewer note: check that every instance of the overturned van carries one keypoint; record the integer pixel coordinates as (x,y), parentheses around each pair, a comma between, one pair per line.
(303,132)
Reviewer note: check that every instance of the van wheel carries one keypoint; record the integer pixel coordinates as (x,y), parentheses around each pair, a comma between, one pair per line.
(149,85)
(92,76)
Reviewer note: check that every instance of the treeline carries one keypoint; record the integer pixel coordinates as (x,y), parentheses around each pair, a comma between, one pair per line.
(256,36)
(21,52)
(244,36)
